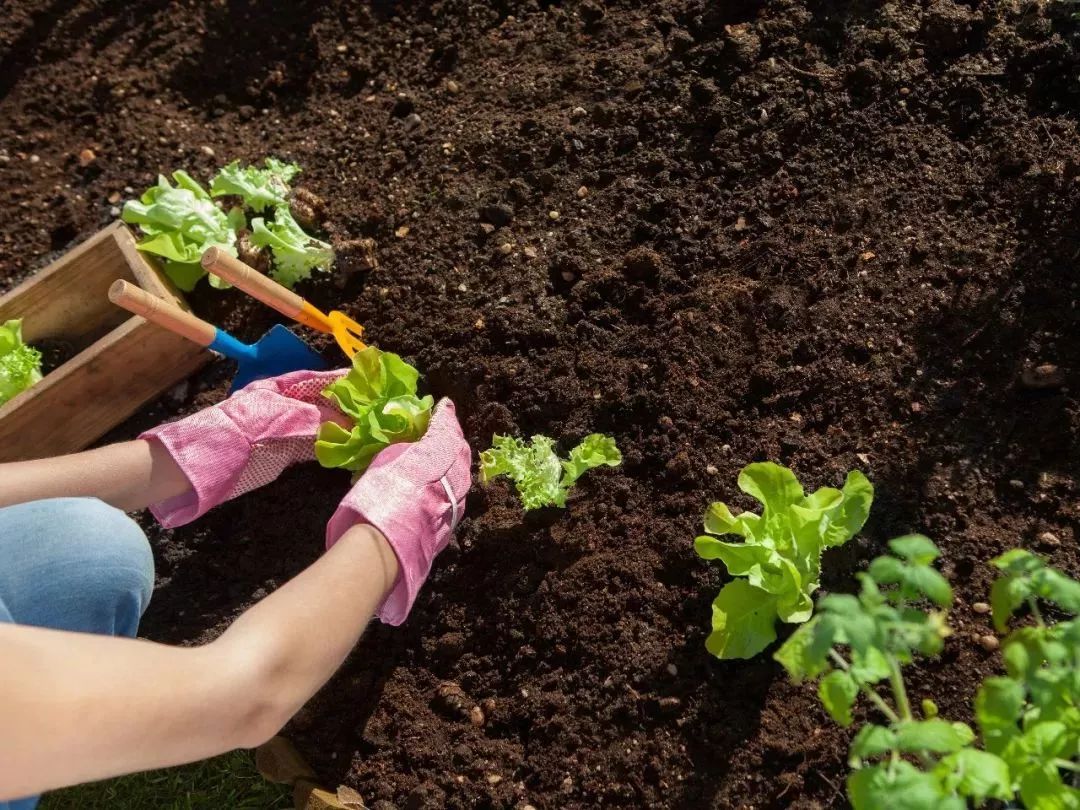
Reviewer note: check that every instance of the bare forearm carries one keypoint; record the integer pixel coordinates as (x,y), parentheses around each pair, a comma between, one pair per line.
(298,636)
(77,707)
(129,476)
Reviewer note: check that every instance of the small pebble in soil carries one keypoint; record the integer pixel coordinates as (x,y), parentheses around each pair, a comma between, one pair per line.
(672,670)
(411,122)
(1046,375)
(989,643)
(711,469)
(476,716)
(506,248)
(670,704)
(114,198)
(553,215)
(530,253)
(1049,539)
(981,607)
(402,232)
(207,150)
(582,192)
(86,157)
(452,700)
(453,87)
(493,779)
(578,112)
(498,214)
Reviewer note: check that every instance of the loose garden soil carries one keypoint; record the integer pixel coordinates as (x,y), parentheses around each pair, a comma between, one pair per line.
(831,234)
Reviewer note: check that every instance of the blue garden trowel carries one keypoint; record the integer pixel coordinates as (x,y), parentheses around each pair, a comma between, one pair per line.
(277,352)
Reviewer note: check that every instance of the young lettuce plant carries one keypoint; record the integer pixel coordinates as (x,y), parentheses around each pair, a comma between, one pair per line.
(379,394)
(1030,718)
(296,254)
(179,223)
(855,643)
(539,475)
(260,189)
(20,365)
(781,556)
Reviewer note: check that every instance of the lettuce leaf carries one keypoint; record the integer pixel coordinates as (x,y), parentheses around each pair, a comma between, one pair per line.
(296,253)
(179,223)
(260,188)
(781,553)
(379,394)
(540,477)
(20,365)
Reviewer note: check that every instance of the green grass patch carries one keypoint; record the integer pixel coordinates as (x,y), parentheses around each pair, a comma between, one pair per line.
(229,781)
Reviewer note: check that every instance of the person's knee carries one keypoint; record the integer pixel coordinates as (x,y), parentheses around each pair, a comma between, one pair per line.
(113,554)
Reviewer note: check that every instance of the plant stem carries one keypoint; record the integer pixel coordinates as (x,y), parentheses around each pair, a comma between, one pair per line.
(874,697)
(896,680)
(1034,606)
(1068,766)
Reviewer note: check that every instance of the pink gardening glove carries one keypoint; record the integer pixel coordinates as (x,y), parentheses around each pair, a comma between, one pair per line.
(415,495)
(244,442)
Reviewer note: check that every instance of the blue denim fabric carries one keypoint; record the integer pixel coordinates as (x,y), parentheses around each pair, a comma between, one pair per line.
(72,564)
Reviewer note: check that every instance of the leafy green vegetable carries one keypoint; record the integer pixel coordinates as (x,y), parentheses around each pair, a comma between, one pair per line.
(20,365)
(379,393)
(296,253)
(540,477)
(1029,721)
(260,188)
(781,555)
(179,223)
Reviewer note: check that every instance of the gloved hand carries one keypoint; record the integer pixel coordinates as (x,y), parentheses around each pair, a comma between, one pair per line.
(244,442)
(414,493)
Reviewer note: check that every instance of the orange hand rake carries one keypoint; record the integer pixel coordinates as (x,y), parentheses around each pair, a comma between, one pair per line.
(346,331)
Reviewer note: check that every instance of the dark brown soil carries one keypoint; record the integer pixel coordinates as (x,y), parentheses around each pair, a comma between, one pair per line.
(833,234)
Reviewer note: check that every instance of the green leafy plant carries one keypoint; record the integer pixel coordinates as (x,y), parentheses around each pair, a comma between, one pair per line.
(1030,718)
(20,365)
(1028,721)
(179,223)
(260,189)
(296,253)
(780,557)
(539,475)
(379,394)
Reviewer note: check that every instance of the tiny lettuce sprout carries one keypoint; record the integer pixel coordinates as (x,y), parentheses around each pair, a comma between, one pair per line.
(296,254)
(179,223)
(259,188)
(780,556)
(379,394)
(539,475)
(20,365)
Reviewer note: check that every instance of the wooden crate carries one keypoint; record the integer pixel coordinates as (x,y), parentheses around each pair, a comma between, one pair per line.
(122,361)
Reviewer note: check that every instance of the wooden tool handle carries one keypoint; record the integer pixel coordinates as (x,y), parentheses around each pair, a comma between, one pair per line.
(161,312)
(251,281)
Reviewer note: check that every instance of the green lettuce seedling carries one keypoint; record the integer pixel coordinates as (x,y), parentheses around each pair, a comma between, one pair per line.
(539,475)
(260,189)
(379,394)
(296,253)
(20,365)
(179,223)
(781,556)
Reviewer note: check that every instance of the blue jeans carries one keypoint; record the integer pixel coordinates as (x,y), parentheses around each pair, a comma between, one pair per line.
(72,564)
